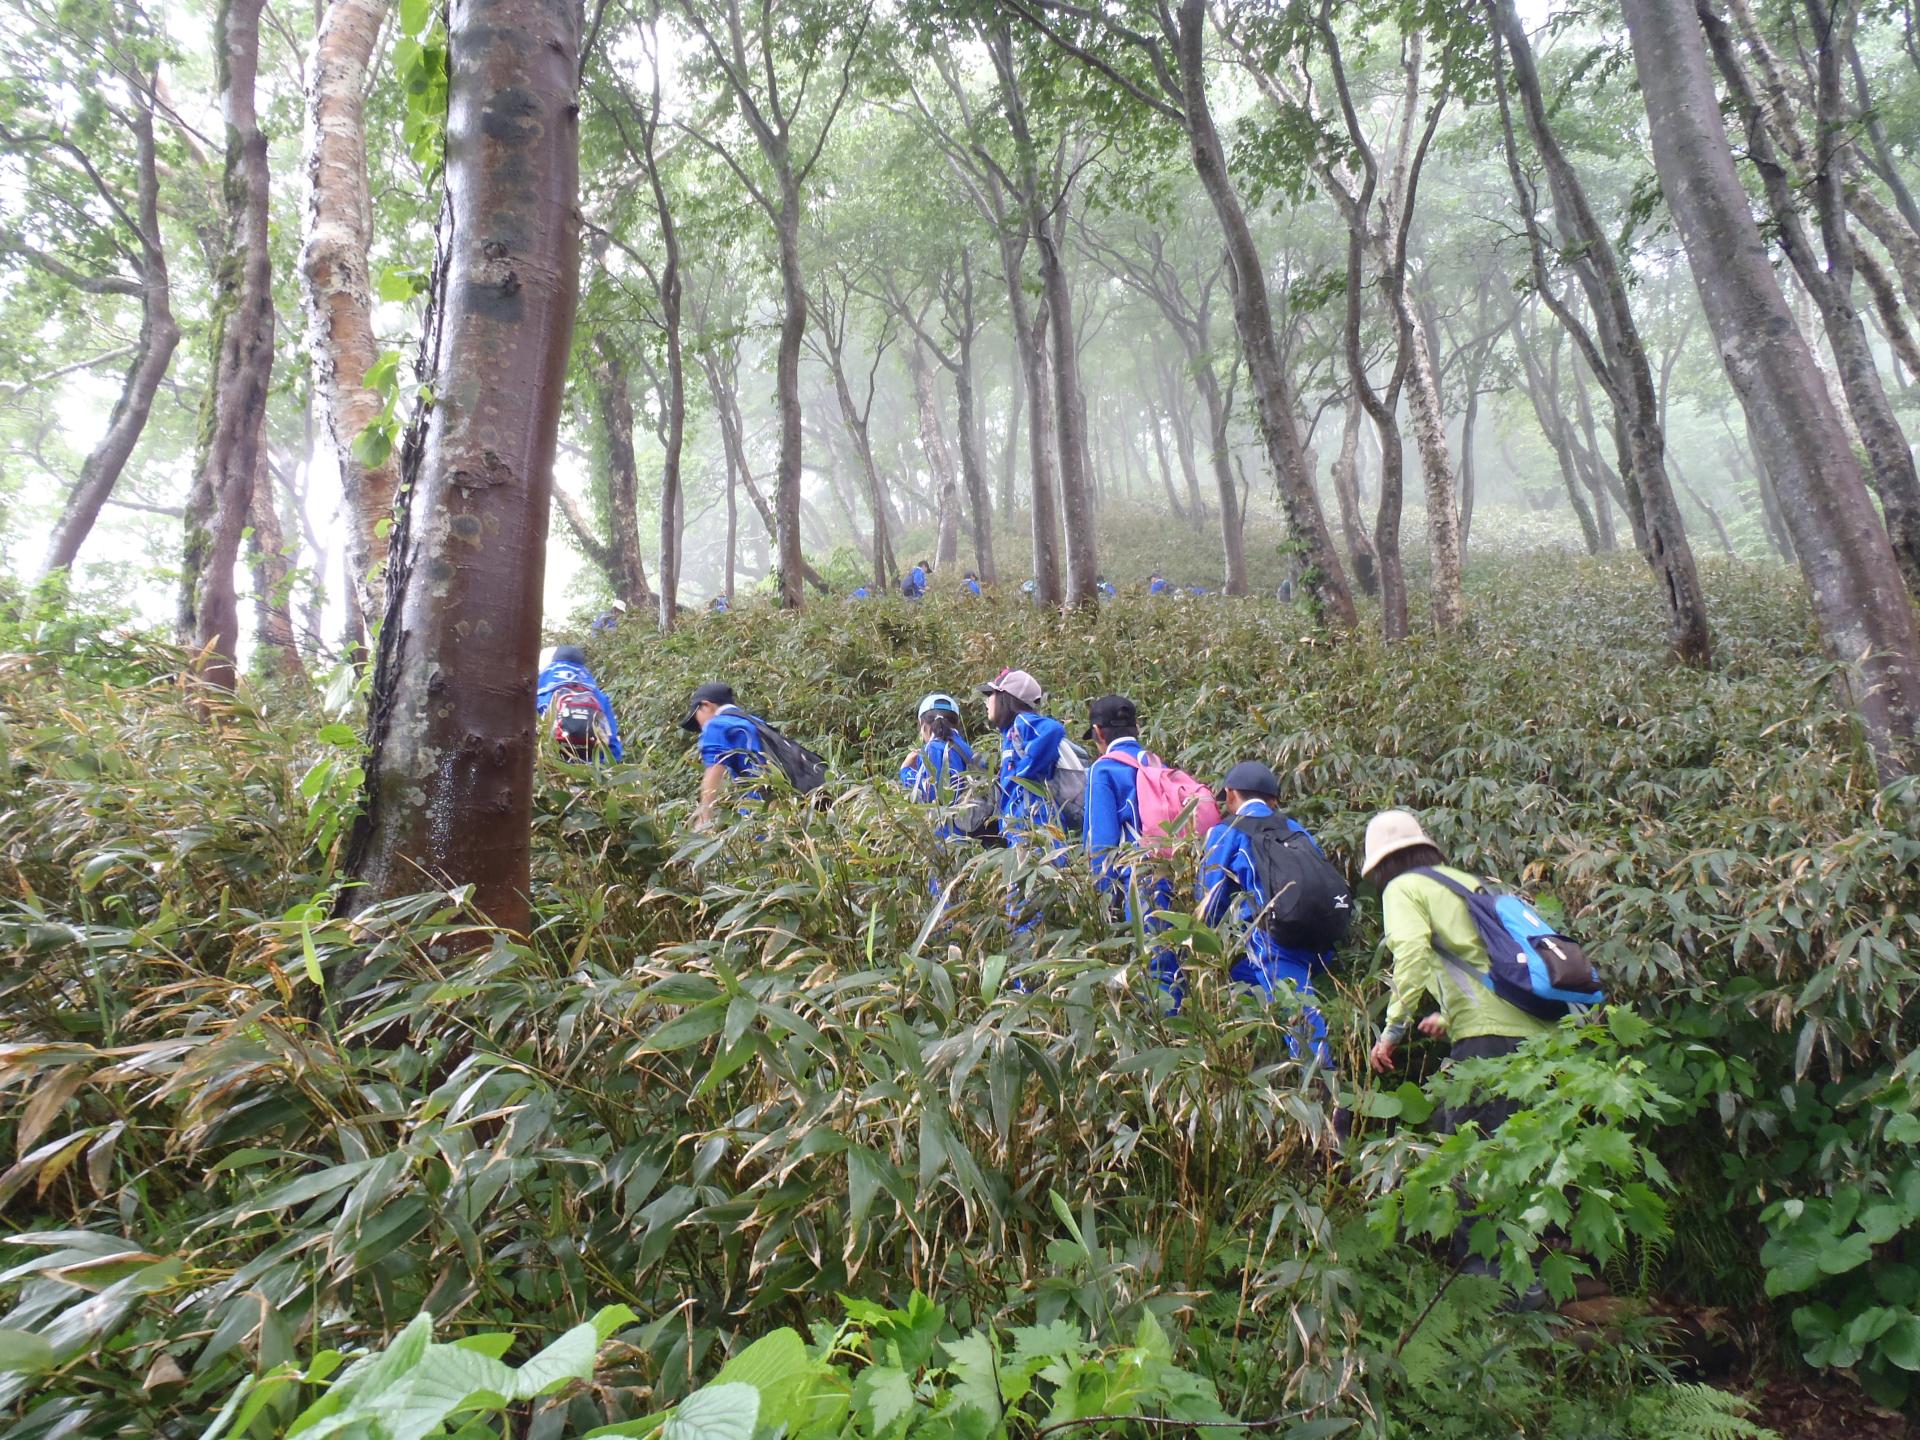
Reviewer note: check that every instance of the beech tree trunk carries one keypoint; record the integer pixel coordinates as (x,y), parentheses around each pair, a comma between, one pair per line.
(973,472)
(613,407)
(793,327)
(933,443)
(272,582)
(1324,576)
(236,407)
(336,278)
(152,354)
(1619,360)
(1436,467)
(1830,289)
(1346,493)
(1232,521)
(1043,496)
(449,794)
(1864,614)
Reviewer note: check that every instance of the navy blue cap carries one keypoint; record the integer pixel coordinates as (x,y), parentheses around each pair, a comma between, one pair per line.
(1250,777)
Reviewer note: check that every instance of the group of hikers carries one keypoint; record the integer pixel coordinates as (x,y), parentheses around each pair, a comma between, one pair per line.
(1492,970)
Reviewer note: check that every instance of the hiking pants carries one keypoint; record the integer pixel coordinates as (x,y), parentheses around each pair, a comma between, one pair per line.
(1489,1114)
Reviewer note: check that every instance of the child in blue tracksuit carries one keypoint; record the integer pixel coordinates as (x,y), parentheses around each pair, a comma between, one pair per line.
(565,665)
(972,582)
(914,586)
(1156,584)
(939,772)
(730,746)
(1029,752)
(1113,820)
(942,770)
(1228,877)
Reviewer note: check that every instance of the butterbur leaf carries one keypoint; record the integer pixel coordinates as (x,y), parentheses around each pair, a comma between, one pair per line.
(1901,1342)
(715,1412)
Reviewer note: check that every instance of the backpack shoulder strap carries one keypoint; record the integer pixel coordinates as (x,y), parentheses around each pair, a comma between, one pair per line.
(1447,881)
(1132,762)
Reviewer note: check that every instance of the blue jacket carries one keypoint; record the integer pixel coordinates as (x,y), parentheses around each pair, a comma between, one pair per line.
(555,676)
(937,773)
(1156,586)
(1113,814)
(973,587)
(1228,877)
(863,593)
(1029,749)
(915,585)
(731,739)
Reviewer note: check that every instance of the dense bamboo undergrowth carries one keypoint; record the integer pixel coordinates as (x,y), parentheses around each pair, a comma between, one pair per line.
(731,1076)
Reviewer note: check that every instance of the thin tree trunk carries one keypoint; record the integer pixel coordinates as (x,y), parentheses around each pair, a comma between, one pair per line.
(272,582)
(449,794)
(1183,445)
(1016,399)
(733,524)
(153,353)
(1233,540)
(1865,617)
(726,402)
(613,406)
(933,442)
(1346,493)
(1253,317)
(1467,418)
(793,327)
(673,500)
(979,502)
(1043,497)
(335,278)
(1542,389)
(236,406)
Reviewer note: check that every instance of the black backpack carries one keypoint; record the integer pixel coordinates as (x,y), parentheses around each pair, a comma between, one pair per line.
(805,771)
(1309,906)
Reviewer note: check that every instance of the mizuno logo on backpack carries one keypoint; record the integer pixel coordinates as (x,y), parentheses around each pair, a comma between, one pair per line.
(1532,966)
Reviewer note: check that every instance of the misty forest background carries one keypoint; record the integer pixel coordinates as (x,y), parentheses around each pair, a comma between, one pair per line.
(1517,396)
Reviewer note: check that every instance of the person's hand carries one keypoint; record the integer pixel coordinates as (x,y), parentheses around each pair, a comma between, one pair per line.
(913,758)
(1382,1057)
(1434,1026)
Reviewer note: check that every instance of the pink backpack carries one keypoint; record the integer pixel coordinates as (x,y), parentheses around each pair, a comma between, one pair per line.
(1162,795)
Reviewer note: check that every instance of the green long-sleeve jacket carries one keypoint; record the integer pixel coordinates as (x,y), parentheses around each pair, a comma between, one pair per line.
(1423,920)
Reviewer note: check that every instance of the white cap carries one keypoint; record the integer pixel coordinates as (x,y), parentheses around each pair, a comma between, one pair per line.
(938,700)
(1388,833)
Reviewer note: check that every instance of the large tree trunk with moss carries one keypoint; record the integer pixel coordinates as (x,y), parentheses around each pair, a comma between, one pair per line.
(235,411)
(1865,617)
(153,352)
(450,775)
(1253,317)
(338,285)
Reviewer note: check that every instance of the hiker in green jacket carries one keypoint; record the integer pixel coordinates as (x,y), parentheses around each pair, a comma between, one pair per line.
(1438,952)
(1437,949)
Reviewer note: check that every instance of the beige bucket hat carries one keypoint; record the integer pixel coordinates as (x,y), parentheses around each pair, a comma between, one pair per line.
(1388,833)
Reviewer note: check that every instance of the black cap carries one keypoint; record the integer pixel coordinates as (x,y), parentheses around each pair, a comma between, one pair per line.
(712,691)
(1114,714)
(1250,777)
(569,655)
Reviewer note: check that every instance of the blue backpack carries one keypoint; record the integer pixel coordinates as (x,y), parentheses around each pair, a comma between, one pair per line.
(1533,967)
